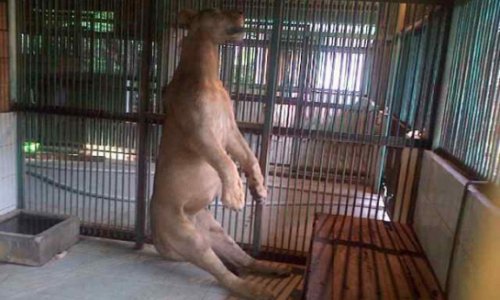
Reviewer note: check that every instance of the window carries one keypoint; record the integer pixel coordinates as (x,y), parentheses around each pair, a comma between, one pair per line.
(339,71)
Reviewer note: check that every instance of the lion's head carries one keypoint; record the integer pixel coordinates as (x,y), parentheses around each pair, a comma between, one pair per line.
(220,25)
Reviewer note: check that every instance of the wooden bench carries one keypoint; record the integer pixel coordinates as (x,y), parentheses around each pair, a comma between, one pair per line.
(354,258)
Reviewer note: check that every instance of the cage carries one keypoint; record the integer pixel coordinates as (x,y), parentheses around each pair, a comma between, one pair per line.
(341,100)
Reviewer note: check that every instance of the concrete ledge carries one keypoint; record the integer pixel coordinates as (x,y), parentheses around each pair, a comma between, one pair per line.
(32,239)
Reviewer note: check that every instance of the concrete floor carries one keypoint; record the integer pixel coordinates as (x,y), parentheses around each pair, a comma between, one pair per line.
(102,269)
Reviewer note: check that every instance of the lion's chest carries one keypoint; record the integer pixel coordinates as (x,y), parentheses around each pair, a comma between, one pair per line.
(222,114)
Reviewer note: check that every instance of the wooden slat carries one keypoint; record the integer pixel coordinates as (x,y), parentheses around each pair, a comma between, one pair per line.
(354,258)
(387,282)
(369,280)
(339,265)
(351,284)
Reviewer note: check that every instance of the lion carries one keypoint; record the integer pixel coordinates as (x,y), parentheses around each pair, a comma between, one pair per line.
(194,165)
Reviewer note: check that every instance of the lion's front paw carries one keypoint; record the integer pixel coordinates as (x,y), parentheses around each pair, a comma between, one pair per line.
(259,191)
(232,194)
(256,182)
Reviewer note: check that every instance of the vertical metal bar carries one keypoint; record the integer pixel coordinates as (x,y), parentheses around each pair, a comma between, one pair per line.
(468,99)
(347,58)
(373,90)
(79,127)
(375,27)
(413,70)
(426,66)
(452,64)
(27,174)
(59,76)
(398,98)
(20,166)
(271,194)
(12,26)
(341,42)
(152,101)
(333,100)
(362,52)
(126,154)
(491,168)
(364,44)
(271,85)
(363,7)
(254,17)
(100,180)
(90,124)
(438,88)
(310,84)
(122,127)
(297,114)
(306,79)
(455,107)
(470,21)
(475,85)
(142,125)
(119,105)
(492,59)
(46,132)
(388,95)
(287,12)
(107,134)
(326,97)
(70,88)
(330,44)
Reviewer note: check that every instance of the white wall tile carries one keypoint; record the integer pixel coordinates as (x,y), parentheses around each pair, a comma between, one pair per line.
(437,210)
(462,276)
(7,129)
(8,179)
(434,236)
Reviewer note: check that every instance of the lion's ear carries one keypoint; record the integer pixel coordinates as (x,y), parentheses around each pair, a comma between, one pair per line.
(185,17)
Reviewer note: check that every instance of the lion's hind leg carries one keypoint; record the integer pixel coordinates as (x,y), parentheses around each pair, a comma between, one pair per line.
(186,240)
(229,251)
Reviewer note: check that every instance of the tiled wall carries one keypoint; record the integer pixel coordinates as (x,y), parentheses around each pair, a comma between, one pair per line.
(441,190)
(4,58)
(438,203)
(475,272)
(8,178)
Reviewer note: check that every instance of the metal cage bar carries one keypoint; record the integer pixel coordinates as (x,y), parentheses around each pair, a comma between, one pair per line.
(469,121)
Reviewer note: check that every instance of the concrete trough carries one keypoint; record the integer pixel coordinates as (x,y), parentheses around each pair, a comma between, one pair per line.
(30,238)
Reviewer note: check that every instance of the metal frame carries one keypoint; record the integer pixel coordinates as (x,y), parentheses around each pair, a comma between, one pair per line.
(311,180)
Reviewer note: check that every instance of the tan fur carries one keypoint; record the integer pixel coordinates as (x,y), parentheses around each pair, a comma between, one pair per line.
(194,165)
